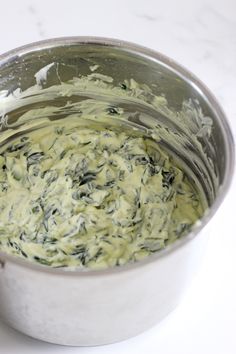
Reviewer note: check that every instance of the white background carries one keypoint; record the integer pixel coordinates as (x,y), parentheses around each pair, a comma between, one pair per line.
(201,35)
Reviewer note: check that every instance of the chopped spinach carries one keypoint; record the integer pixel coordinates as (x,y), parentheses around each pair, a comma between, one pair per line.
(167,178)
(34,158)
(112,110)
(84,197)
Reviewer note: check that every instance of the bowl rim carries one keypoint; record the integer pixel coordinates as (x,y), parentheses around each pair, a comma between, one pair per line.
(186,75)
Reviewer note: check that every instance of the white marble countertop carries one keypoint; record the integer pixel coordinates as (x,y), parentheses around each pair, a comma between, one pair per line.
(201,35)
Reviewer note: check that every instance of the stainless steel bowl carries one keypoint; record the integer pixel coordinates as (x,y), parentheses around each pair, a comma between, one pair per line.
(105,306)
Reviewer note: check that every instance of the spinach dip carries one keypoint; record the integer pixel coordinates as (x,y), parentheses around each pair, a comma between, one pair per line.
(74,196)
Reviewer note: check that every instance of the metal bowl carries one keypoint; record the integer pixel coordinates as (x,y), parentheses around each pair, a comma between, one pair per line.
(105,306)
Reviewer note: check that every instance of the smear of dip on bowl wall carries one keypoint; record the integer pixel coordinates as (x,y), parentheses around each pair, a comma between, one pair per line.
(109,161)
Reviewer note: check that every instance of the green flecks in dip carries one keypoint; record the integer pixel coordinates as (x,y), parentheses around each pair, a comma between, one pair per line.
(71,196)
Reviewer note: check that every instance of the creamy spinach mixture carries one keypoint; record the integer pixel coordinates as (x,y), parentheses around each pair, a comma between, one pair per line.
(71,196)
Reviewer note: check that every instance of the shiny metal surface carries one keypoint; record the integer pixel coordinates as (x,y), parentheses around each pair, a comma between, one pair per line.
(98,307)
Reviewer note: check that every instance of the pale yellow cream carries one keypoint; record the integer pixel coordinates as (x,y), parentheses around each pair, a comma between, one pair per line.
(73,196)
